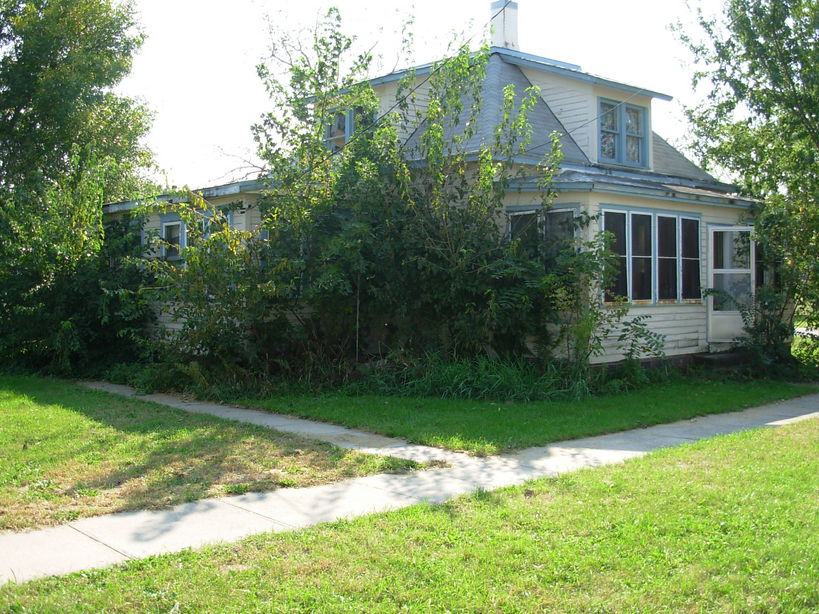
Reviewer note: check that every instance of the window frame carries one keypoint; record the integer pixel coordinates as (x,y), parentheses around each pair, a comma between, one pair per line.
(621,134)
(182,238)
(331,140)
(352,118)
(541,214)
(678,216)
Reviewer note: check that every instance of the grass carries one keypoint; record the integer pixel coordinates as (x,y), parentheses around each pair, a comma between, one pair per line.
(486,427)
(724,525)
(70,452)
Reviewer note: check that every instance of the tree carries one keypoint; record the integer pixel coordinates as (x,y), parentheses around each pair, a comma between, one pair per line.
(398,240)
(760,122)
(67,146)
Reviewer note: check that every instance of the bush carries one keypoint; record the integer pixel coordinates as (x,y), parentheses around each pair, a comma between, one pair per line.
(806,351)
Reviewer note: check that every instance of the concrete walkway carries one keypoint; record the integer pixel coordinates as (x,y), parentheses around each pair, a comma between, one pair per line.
(106,540)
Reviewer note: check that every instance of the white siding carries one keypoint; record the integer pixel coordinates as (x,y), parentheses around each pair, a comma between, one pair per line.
(573,102)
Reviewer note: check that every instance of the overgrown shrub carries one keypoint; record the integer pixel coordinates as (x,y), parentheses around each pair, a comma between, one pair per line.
(75,319)
(806,351)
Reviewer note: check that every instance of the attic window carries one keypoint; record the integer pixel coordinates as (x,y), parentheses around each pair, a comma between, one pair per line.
(343,124)
(623,129)
(339,131)
(172,237)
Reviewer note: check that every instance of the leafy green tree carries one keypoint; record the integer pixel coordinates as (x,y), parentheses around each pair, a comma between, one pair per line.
(397,237)
(760,122)
(67,146)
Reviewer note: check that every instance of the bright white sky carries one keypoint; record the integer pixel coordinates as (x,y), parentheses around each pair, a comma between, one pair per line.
(197,68)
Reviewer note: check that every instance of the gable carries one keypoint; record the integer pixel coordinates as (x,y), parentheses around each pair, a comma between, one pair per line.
(543,121)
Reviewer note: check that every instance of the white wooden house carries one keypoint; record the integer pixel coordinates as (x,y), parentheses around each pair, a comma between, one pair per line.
(678,230)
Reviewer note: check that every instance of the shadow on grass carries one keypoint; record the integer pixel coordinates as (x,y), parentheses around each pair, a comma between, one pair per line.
(159,456)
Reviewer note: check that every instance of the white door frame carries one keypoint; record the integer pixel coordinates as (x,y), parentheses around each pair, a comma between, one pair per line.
(726,326)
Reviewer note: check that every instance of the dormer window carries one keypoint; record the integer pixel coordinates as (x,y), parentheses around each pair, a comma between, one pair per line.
(623,130)
(343,124)
(339,131)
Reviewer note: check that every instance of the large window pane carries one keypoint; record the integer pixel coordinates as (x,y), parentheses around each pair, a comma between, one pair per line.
(667,237)
(690,239)
(634,121)
(608,116)
(524,228)
(615,223)
(737,287)
(691,279)
(640,235)
(172,234)
(559,229)
(634,149)
(732,249)
(619,287)
(667,279)
(641,279)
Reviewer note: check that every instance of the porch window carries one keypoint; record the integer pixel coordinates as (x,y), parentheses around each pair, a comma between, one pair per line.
(657,256)
(732,269)
(523,227)
(552,231)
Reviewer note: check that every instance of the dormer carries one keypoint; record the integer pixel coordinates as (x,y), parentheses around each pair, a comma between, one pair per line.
(610,121)
(623,130)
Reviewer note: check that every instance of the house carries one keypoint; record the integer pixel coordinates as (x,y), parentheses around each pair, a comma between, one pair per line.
(677,229)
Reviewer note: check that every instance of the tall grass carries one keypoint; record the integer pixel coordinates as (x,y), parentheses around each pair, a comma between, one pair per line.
(487,378)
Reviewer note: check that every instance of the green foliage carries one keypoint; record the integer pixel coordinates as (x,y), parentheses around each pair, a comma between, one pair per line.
(638,341)
(767,322)
(67,146)
(394,241)
(806,351)
(760,64)
(75,313)
(387,242)
(220,291)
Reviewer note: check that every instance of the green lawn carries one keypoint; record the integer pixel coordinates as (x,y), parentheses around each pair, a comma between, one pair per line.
(724,525)
(69,452)
(486,427)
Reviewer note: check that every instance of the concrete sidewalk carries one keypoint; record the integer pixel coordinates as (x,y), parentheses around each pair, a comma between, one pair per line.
(107,540)
(361,441)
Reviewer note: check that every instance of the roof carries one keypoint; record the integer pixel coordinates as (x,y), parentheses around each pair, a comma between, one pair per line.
(226,189)
(500,73)
(571,71)
(646,184)
(669,161)
(673,176)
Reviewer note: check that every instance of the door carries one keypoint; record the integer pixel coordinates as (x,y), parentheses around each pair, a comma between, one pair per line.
(731,270)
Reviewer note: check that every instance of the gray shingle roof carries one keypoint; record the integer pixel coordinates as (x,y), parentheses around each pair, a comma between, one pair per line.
(669,161)
(543,121)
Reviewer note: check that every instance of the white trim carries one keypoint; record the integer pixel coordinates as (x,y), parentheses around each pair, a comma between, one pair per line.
(750,271)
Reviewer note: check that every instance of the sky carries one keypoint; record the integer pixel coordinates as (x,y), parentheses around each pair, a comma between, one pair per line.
(197,68)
